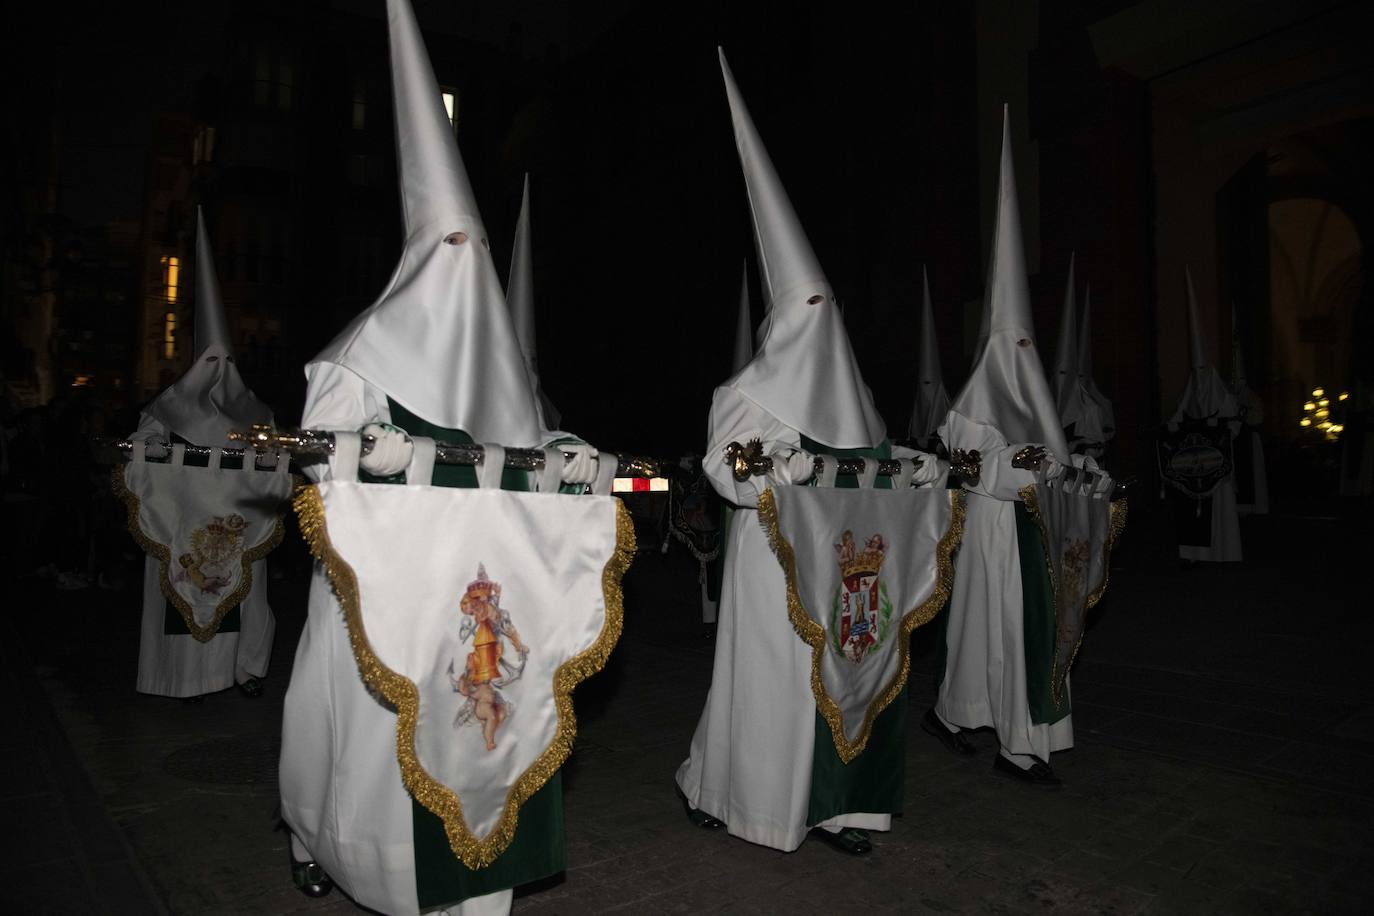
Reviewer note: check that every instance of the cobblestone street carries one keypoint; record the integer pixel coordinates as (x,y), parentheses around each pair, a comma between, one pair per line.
(1225,736)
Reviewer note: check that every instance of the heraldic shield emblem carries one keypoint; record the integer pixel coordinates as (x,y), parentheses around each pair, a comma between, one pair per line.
(863,569)
(474,613)
(205,527)
(1195,458)
(1079,526)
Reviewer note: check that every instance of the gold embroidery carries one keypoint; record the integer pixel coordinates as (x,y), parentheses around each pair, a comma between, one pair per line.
(813,634)
(402,693)
(1115,525)
(163,554)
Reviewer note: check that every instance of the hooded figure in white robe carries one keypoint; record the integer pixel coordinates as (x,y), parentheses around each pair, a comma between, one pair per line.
(436,355)
(1206,400)
(1079,413)
(743,352)
(520,299)
(202,408)
(1252,479)
(1085,368)
(755,761)
(1005,407)
(932,400)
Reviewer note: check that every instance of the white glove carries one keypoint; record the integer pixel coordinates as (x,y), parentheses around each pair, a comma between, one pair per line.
(796,467)
(391,450)
(929,470)
(582,467)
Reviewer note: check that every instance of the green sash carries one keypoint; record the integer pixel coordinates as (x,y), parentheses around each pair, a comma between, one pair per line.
(1038,621)
(536,851)
(872,782)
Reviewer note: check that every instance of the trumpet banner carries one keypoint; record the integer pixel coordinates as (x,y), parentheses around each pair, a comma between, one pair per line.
(474,613)
(1079,526)
(205,527)
(863,568)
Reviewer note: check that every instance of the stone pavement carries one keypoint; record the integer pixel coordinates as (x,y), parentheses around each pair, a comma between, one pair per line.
(1225,735)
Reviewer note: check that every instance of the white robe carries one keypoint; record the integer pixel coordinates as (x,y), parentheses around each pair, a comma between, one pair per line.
(985,670)
(179,665)
(751,755)
(341,790)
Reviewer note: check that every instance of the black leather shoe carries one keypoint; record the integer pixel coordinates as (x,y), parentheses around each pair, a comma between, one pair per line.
(954,742)
(698,817)
(850,840)
(251,688)
(1040,774)
(310,878)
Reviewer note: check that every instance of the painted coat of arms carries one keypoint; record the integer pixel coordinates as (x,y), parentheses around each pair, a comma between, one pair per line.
(480,679)
(213,561)
(861,614)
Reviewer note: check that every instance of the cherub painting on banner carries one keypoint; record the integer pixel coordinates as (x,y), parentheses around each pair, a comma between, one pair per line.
(486,671)
(213,561)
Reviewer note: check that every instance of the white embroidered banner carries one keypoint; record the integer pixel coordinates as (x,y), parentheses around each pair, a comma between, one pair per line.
(863,568)
(1079,525)
(474,612)
(206,527)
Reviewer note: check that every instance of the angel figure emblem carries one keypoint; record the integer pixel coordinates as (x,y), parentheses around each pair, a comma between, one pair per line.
(485,672)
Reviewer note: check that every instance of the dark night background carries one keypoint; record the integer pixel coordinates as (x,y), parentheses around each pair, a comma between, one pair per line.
(1147,136)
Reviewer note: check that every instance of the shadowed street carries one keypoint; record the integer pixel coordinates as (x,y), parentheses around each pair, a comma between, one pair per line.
(1225,735)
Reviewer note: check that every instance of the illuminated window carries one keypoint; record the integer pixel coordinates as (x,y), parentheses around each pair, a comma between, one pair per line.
(450,106)
(169,336)
(203,145)
(171,274)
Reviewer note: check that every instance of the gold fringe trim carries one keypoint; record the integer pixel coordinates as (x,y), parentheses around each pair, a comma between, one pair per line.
(163,554)
(813,634)
(1115,525)
(402,693)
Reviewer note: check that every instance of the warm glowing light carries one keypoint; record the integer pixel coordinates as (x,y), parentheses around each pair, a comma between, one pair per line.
(1323,413)
(1343,395)
(1324,402)
(1318,392)
(1309,406)
(171,274)
(1305,422)
(1337,427)
(1325,424)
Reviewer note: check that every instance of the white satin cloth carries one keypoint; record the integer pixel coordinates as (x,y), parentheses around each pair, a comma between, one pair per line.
(804,372)
(750,759)
(815,522)
(985,669)
(179,665)
(340,782)
(439,339)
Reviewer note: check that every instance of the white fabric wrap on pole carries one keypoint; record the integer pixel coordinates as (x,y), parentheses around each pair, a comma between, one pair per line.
(474,612)
(863,569)
(1079,525)
(205,526)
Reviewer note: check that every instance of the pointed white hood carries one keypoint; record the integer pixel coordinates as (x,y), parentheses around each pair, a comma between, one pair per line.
(744,330)
(1076,406)
(439,340)
(210,400)
(804,372)
(520,299)
(1206,394)
(1065,378)
(1007,389)
(1085,366)
(932,400)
